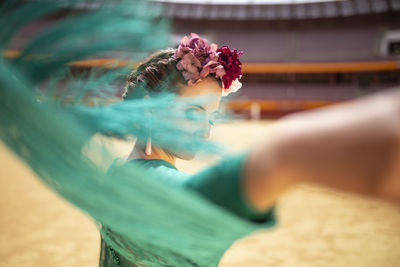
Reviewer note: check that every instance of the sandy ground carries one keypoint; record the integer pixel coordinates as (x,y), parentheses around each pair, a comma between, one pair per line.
(317,227)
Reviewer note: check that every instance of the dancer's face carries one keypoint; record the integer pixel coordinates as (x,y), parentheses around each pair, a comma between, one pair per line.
(201,107)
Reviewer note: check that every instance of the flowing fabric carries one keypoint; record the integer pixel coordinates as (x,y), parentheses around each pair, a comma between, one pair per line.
(45,120)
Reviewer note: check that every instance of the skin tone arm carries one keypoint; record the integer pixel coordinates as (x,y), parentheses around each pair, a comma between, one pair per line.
(353,147)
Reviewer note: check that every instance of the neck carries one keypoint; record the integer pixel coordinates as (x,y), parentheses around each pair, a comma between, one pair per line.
(138,152)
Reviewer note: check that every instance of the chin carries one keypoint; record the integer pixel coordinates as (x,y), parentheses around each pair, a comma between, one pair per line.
(185,156)
(186,153)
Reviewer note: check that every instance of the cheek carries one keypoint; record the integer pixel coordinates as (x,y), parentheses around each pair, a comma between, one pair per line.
(198,129)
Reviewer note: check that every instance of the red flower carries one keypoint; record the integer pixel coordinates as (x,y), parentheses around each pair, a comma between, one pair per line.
(229,59)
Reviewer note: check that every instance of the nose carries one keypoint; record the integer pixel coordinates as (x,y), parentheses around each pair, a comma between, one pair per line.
(205,131)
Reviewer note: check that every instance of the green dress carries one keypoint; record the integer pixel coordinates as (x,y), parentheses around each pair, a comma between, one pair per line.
(220,184)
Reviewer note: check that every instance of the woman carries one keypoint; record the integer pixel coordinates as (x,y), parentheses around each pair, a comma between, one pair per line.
(196,70)
(345,147)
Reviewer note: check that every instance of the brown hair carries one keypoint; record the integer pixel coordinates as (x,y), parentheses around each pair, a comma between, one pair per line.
(157,73)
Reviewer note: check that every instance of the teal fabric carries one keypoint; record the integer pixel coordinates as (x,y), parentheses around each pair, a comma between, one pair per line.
(220,184)
(44,117)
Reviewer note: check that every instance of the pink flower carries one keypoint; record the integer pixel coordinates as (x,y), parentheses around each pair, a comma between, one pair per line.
(198,59)
(229,59)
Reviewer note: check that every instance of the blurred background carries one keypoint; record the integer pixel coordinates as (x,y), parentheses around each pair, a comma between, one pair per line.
(298,55)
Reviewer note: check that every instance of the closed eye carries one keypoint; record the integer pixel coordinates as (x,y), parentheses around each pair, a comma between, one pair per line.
(194,114)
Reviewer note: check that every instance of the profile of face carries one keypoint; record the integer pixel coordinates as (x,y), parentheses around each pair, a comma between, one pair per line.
(199,115)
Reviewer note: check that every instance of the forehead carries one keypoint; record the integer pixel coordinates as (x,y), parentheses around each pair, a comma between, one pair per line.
(205,87)
(207,93)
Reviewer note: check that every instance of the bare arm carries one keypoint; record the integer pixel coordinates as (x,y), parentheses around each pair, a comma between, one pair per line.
(353,146)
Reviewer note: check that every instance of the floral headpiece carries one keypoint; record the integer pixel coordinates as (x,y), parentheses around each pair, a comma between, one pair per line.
(198,59)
